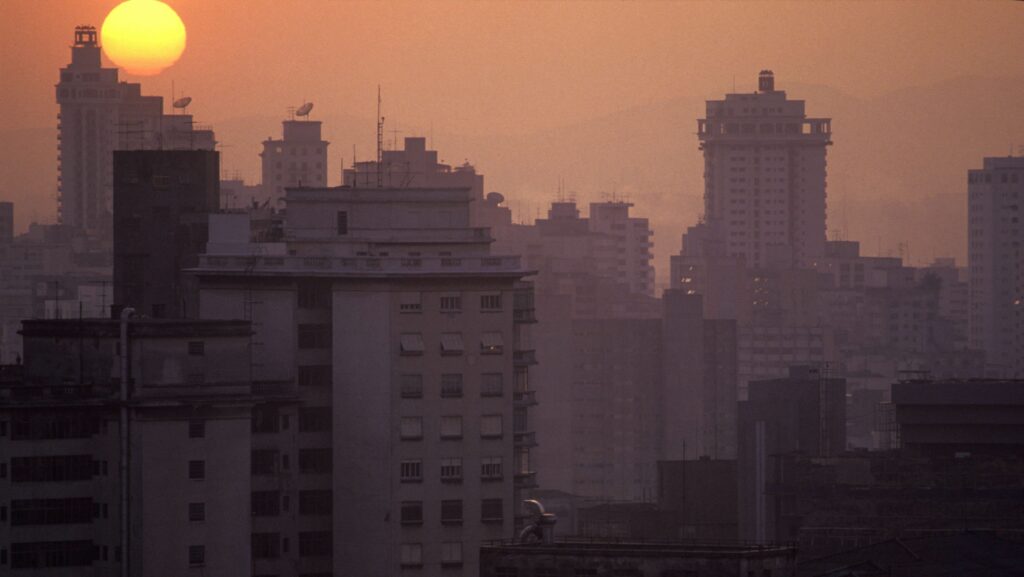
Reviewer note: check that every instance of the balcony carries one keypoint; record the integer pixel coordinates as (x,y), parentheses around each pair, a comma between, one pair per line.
(525,398)
(525,439)
(524,358)
(526,480)
(360,265)
(522,306)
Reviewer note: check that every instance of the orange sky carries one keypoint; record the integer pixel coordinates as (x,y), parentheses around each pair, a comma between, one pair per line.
(506,68)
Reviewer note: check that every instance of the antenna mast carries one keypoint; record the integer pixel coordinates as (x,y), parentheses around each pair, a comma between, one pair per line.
(380,143)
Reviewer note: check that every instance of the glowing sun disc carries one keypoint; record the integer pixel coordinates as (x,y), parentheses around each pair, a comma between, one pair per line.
(143,36)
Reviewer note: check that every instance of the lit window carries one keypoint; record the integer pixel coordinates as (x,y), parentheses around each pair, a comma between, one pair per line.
(451,344)
(491,344)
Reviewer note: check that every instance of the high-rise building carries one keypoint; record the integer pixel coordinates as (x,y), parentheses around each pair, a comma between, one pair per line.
(409,444)
(98,471)
(995,229)
(299,158)
(99,114)
(764,177)
(162,203)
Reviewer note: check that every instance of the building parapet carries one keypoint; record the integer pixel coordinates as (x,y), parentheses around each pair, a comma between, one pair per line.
(360,265)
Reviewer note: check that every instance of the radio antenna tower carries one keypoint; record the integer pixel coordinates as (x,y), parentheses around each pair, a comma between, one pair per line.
(380,143)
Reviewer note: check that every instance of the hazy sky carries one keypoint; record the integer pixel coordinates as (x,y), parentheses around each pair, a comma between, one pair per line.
(504,69)
(514,66)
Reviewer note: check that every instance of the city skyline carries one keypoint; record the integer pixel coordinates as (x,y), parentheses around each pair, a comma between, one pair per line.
(642,156)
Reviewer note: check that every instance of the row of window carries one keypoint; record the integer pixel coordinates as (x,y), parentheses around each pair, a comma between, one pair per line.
(53,468)
(491,511)
(272,503)
(411,470)
(411,302)
(452,385)
(451,554)
(311,544)
(491,343)
(411,428)
(311,461)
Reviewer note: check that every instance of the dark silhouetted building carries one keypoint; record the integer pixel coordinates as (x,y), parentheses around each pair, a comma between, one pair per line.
(162,203)
(6,222)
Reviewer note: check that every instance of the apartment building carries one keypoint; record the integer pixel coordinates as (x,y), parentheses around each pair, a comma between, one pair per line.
(147,477)
(298,158)
(994,258)
(409,444)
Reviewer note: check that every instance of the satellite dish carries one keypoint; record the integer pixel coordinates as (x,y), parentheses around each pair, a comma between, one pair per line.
(183,102)
(495,198)
(304,109)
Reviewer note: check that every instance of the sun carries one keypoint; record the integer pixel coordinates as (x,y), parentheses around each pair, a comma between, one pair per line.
(143,36)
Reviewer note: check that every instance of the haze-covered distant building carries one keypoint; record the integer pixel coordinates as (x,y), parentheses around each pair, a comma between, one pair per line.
(764,177)
(298,158)
(995,229)
(98,115)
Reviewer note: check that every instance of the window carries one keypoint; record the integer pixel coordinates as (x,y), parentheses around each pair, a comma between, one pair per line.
(196,348)
(451,385)
(266,503)
(412,512)
(412,555)
(411,471)
(52,511)
(491,511)
(451,303)
(410,302)
(411,386)
(451,512)
(196,555)
(411,428)
(491,385)
(197,511)
(342,223)
(315,543)
(315,336)
(412,344)
(314,295)
(197,470)
(52,468)
(451,470)
(490,303)
(451,427)
(196,429)
(264,462)
(451,344)
(265,419)
(320,502)
(315,376)
(314,419)
(315,461)
(52,554)
(491,344)
(490,426)
(451,553)
(490,469)
(266,545)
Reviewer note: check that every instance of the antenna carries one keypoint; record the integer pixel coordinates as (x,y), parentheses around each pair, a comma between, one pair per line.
(380,143)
